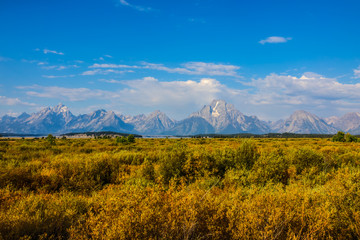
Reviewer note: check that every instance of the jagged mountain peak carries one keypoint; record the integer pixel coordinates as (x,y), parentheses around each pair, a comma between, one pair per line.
(350,122)
(60,108)
(217,117)
(24,115)
(217,108)
(98,113)
(221,104)
(217,102)
(225,118)
(44,110)
(304,122)
(155,123)
(352,115)
(190,126)
(303,115)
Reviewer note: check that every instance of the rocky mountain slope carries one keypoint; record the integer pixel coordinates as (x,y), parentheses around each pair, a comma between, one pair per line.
(304,122)
(155,123)
(217,117)
(191,126)
(224,118)
(350,122)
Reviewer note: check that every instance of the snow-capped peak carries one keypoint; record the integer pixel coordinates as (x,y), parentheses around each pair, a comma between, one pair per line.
(61,108)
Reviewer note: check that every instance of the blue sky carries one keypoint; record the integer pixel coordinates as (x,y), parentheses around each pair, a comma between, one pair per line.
(268,58)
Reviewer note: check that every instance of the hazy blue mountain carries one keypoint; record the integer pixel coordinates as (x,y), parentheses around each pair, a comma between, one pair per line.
(99,120)
(217,117)
(350,122)
(304,122)
(191,126)
(154,124)
(47,120)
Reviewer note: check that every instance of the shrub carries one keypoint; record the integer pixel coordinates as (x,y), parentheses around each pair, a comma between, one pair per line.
(51,139)
(342,137)
(270,167)
(305,158)
(131,138)
(172,164)
(246,155)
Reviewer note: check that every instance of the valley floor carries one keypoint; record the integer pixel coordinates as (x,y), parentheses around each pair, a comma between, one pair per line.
(179,189)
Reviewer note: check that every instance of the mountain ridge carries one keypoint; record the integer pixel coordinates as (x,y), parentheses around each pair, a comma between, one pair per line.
(219,117)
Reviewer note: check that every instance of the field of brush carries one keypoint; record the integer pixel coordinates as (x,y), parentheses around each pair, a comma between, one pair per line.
(179,189)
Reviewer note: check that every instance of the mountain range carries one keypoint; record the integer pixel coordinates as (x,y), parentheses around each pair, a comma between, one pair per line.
(217,117)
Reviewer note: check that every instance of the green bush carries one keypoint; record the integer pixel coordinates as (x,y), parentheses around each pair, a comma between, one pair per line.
(172,164)
(270,167)
(342,137)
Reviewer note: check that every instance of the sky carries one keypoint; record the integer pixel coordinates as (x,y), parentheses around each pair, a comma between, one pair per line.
(268,58)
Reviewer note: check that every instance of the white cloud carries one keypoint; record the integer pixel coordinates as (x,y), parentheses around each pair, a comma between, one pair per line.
(212,69)
(275,39)
(198,68)
(13,101)
(357,72)
(310,89)
(46,51)
(177,98)
(272,97)
(149,91)
(137,7)
(72,94)
(104,65)
(34,61)
(60,76)
(13,114)
(103,72)
(110,81)
(60,67)
(190,68)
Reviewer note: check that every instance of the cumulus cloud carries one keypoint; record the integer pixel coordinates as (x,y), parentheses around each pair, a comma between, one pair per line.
(46,51)
(271,97)
(13,101)
(154,92)
(275,39)
(146,91)
(136,7)
(310,88)
(174,97)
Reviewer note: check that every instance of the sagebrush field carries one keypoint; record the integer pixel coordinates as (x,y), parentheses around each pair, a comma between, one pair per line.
(179,189)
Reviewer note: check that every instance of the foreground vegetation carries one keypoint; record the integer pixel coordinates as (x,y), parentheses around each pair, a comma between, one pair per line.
(179,189)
